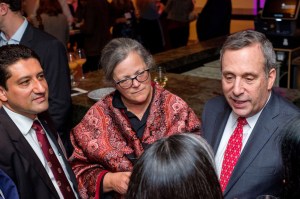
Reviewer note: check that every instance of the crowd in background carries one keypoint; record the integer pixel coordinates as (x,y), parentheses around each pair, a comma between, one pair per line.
(158,25)
(139,141)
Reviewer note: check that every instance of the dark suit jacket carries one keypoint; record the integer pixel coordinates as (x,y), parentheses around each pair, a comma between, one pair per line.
(20,162)
(259,169)
(53,57)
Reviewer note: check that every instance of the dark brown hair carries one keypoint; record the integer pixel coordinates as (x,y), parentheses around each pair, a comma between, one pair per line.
(14,5)
(50,7)
(9,55)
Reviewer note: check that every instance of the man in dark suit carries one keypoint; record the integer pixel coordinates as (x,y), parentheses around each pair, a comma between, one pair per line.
(15,29)
(249,164)
(24,97)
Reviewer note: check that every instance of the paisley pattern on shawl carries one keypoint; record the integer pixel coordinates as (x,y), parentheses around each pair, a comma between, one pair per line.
(104,136)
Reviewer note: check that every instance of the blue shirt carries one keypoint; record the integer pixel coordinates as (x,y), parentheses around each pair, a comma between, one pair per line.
(8,188)
(16,37)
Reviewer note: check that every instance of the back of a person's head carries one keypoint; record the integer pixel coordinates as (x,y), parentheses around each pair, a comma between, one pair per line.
(50,7)
(14,5)
(290,149)
(180,166)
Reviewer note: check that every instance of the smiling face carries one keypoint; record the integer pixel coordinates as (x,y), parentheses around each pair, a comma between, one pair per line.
(139,93)
(245,84)
(27,89)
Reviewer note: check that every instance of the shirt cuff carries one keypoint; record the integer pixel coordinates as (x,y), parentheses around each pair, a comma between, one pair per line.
(99,184)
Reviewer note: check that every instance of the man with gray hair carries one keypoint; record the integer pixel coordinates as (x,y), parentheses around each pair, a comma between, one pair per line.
(244,125)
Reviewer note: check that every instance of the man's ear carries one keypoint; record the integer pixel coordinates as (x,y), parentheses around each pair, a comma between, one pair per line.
(271,78)
(3,9)
(3,94)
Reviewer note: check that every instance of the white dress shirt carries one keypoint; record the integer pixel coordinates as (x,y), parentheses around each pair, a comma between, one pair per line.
(228,131)
(24,124)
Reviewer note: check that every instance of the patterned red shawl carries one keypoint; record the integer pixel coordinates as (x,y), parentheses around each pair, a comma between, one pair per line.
(104,136)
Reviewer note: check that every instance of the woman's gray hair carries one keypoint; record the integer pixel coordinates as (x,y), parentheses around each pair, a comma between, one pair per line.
(247,38)
(118,50)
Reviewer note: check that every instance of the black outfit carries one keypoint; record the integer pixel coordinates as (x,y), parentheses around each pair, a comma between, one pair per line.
(78,17)
(151,35)
(214,20)
(178,33)
(137,124)
(96,31)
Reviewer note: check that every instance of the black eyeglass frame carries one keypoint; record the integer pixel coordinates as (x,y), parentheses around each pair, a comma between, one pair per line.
(133,78)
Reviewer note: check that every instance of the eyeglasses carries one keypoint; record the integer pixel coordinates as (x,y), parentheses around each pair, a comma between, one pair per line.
(140,77)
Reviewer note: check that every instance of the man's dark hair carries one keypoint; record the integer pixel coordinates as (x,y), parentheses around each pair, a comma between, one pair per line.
(14,5)
(9,55)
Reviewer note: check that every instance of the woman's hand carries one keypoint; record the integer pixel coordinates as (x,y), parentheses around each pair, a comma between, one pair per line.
(116,182)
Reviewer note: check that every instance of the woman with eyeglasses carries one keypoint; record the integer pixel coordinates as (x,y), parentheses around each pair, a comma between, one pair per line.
(117,129)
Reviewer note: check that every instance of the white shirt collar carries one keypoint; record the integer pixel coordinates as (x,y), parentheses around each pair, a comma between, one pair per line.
(250,120)
(23,123)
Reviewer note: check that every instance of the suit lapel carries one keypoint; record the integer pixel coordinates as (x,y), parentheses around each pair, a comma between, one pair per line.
(24,149)
(27,36)
(219,126)
(261,134)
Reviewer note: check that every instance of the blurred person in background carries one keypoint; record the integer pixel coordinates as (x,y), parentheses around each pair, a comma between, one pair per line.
(77,11)
(66,11)
(118,128)
(125,21)
(77,8)
(96,31)
(149,25)
(49,17)
(214,19)
(178,21)
(30,7)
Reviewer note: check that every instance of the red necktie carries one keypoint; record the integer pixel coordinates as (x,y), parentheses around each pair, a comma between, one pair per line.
(232,152)
(53,162)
